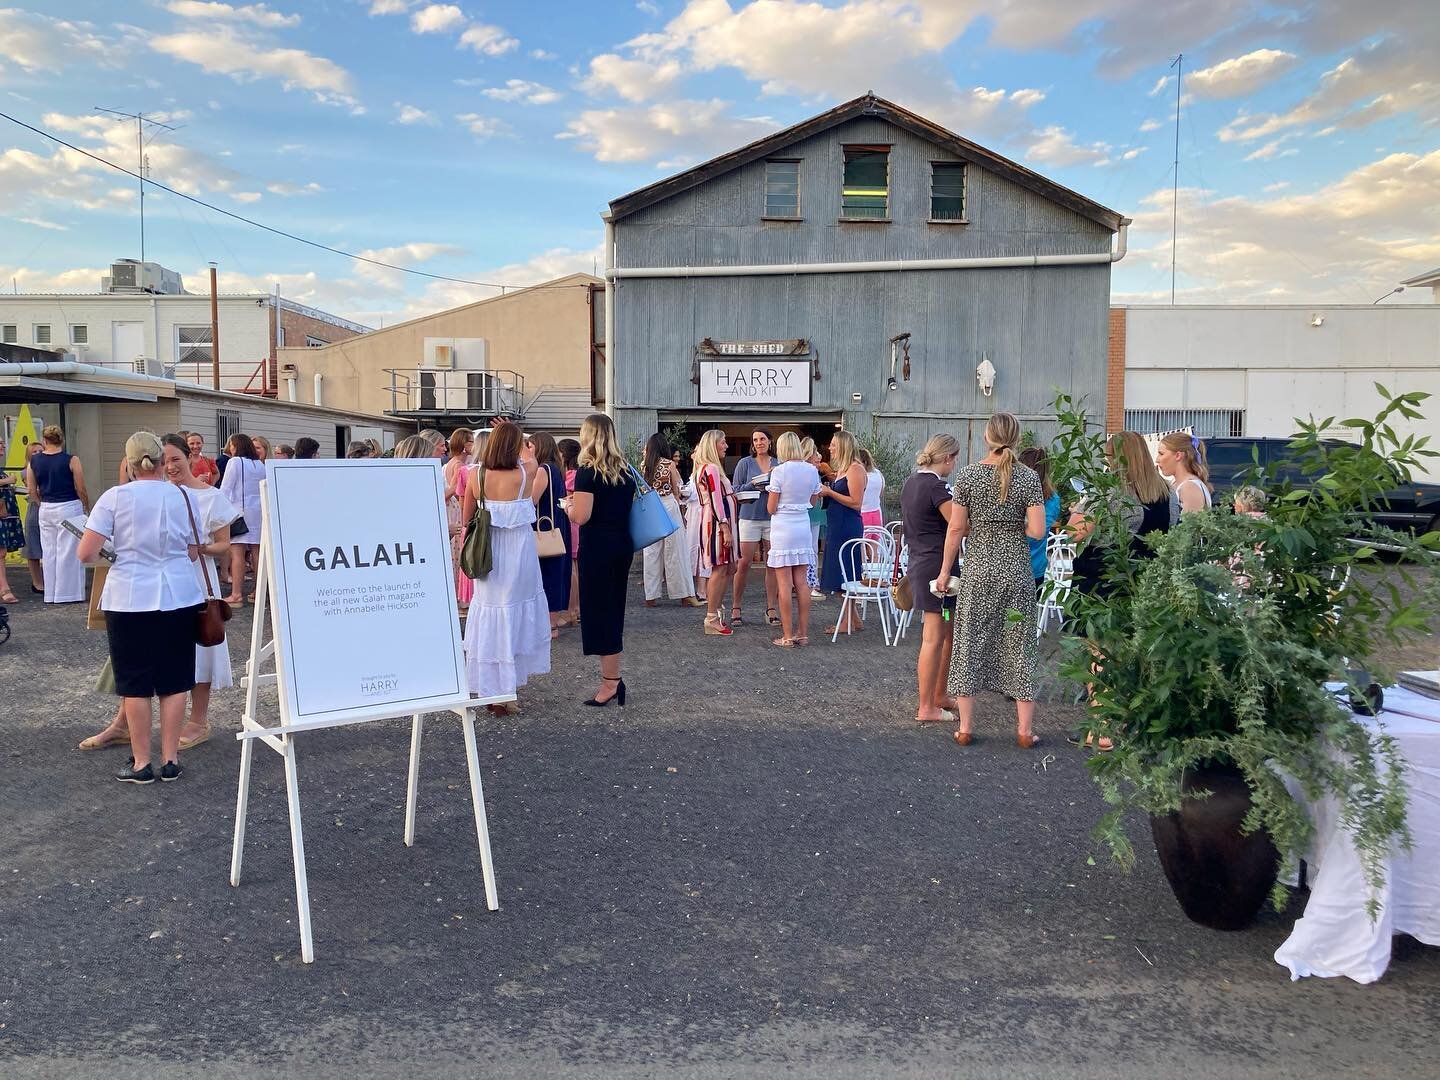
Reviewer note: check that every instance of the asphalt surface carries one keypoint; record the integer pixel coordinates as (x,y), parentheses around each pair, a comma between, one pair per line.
(759,867)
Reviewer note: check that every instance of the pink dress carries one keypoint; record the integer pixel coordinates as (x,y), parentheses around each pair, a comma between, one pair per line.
(464,586)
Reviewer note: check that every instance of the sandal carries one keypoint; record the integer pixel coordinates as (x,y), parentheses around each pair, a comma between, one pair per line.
(1027,742)
(188,742)
(772,616)
(786,643)
(9,597)
(714,626)
(964,738)
(735,619)
(105,739)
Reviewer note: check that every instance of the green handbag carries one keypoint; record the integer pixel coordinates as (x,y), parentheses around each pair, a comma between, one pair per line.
(476,558)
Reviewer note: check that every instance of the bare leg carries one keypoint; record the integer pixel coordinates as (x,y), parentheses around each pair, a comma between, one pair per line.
(37,574)
(781,585)
(742,573)
(172,717)
(199,712)
(715,590)
(772,584)
(965,712)
(574,590)
(610,677)
(4,580)
(802,601)
(237,573)
(1024,718)
(930,672)
(137,718)
(943,697)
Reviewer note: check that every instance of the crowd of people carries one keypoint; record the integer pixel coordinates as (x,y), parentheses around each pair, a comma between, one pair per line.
(184,527)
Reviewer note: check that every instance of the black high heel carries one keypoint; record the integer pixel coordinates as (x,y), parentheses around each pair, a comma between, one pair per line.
(618,696)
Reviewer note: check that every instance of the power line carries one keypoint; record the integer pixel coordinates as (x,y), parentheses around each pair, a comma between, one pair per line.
(269,228)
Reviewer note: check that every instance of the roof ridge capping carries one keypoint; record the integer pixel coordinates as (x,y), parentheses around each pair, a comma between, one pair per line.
(868,105)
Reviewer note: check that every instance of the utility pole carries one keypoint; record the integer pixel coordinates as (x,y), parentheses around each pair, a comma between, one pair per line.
(1179,66)
(214,329)
(140,121)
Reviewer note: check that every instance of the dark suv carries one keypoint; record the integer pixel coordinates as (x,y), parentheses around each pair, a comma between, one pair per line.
(1412,507)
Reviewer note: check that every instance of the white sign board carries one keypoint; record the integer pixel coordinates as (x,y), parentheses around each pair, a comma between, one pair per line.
(363,588)
(759,380)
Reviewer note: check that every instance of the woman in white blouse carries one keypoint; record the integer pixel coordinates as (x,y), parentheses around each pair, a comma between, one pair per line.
(150,602)
(794,484)
(870,513)
(241,485)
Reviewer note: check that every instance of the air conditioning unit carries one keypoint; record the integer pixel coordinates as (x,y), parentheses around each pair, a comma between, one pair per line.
(444,356)
(129,276)
(149,365)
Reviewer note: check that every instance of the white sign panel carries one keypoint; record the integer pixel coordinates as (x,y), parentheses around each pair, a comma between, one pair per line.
(364,590)
(755,381)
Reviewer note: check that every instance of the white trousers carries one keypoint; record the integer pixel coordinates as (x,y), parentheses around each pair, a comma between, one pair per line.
(64,573)
(667,558)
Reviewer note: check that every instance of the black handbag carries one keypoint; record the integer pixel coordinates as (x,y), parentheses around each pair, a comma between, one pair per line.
(238,526)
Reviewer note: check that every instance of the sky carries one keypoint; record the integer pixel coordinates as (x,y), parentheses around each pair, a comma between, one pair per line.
(483,141)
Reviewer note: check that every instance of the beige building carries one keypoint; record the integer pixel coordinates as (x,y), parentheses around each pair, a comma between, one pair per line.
(526,355)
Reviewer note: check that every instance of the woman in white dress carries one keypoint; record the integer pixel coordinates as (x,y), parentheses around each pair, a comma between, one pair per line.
(241,485)
(794,483)
(698,573)
(870,512)
(507,632)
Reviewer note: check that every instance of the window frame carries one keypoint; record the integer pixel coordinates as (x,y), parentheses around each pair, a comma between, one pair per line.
(9,333)
(49,329)
(209,345)
(872,148)
(765,195)
(964,218)
(227,423)
(84,338)
(313,342)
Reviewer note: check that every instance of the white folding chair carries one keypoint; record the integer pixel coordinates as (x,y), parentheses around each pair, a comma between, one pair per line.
(1059,579)
(855,556)
(884,565)
(904,618)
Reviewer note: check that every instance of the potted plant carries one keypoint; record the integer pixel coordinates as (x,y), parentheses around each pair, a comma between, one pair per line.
(1207,663)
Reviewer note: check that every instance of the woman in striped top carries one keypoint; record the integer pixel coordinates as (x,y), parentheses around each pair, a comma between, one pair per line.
(718,513)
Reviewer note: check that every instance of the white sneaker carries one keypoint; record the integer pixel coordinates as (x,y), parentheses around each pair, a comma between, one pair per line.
(816,594)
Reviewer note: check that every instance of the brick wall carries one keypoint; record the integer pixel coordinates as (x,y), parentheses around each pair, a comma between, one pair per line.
(1115,373)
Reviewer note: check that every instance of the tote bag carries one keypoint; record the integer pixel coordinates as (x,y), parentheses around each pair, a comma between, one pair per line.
(650,522)
(214,613)
(476,557)
(549,541)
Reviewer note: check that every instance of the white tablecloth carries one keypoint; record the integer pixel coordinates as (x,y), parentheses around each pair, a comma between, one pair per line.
(1335,936)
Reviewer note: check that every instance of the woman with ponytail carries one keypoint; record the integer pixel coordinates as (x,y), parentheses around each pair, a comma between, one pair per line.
(998,503)
(925,510)
(1181,458)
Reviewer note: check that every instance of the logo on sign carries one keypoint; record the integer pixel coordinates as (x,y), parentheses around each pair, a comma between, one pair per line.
(762,382)
(374,686)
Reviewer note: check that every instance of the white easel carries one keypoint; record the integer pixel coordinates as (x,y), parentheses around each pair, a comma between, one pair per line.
(281,738)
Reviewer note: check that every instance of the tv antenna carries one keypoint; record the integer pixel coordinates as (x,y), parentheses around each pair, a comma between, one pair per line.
(143,167)
(1179,65)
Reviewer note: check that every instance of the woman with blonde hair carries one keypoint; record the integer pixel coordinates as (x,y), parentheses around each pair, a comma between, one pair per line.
(507,631)
(151,600)
(811,453)
(996,503)
(56,480)
(1181,458)
(1147,504)
(925,509)
(718,512)
(604,490)
(262,448)
(793,488)
(844,496)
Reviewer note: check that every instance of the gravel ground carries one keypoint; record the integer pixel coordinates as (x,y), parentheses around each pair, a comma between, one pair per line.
(759,866)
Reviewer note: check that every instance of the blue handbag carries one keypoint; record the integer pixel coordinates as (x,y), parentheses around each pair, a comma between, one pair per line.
(650,522)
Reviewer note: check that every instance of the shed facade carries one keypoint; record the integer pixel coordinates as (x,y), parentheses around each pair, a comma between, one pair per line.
(848,285)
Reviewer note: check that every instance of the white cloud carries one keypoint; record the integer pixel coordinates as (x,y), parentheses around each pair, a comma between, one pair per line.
(633,80)
(437,19)
(542,54)
(1241,74)
(413,114)
(1271,150)
(258,14)
(483,127)
(648,7)
(1279,185)
(488,40)
(1132,154)
(1152,125)
(1160,84)
(246,196)
(521,90)
(41,223)
(656,132)
(284,187)
(399,255)
(1055,146)
(1376,223)
(225,52)
(30,280)
(35,43)
(389,7)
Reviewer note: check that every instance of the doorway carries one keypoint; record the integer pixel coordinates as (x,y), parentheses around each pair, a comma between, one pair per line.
(127,343)
(739,427)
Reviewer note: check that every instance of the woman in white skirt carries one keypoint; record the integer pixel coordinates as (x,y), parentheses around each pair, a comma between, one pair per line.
(665,562)
(794,483)
(698,573)
(507,632)
(57,480)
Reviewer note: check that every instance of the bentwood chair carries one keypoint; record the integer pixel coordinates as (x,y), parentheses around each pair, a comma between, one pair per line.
(1059,579)
(859,587)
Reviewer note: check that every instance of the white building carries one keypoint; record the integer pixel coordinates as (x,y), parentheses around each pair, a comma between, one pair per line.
(1252,370)
(168,332)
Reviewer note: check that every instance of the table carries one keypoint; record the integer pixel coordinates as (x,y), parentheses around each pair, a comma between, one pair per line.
(1335,935)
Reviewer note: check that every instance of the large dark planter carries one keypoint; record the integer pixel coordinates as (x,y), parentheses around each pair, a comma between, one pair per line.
(1220,876)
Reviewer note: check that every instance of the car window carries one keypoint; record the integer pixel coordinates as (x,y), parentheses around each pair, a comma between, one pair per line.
(1229,459)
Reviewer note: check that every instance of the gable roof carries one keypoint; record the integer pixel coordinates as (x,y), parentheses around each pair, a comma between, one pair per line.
(1430,277)
(869,105)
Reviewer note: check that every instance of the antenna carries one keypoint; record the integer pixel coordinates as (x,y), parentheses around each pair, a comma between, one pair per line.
(1179,66)
(143,168)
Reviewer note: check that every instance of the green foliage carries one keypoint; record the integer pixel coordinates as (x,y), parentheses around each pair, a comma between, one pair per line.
(679,439)
(1217,649)
(895,458)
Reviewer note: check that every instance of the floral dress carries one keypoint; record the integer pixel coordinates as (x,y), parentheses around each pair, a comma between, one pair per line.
(717,504)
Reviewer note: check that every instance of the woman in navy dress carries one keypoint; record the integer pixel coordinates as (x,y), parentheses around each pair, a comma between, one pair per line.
(843,497)
(549,491)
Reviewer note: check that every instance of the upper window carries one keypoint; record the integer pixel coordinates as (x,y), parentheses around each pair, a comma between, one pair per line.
(947,191)
(10,334)
(314,342)
(866,193)
(782,189)
(42,334)
(79,334)
(193,345)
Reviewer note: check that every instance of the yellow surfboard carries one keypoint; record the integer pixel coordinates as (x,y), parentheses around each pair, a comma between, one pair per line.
(17,452)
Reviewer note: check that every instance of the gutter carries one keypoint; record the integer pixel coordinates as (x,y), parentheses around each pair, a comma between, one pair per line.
(73,367)
(614,273)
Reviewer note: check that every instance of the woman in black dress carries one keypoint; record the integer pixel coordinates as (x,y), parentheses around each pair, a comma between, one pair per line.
(925,506)
(549,492)
(604,490)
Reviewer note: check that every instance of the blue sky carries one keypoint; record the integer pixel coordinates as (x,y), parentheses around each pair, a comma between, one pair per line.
(483,141)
